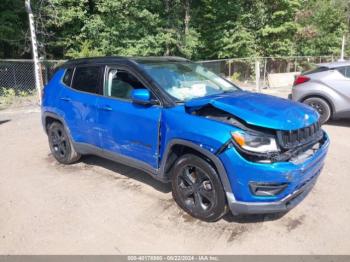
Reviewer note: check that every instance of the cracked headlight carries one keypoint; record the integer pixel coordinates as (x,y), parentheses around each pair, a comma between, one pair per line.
(257,143)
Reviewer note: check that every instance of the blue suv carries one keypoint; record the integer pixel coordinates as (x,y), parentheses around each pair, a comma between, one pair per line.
(220,147)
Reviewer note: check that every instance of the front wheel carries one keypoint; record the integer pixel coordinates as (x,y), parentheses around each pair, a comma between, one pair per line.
(197,188)
(321,106)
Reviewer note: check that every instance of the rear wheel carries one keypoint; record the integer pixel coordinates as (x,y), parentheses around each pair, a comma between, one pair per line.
(321,106)
(197,189)
(60,144)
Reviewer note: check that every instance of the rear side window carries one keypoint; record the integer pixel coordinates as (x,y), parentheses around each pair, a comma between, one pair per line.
(87,79)
(316,70)
(345,71)
(67,78)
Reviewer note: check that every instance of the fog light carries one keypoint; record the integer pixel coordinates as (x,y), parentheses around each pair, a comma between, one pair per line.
(267,189)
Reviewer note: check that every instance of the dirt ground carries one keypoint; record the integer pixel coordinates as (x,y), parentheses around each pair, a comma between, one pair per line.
(100,207)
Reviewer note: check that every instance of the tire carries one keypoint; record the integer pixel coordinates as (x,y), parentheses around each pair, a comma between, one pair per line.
(197,189)
(321,106)
(61,145)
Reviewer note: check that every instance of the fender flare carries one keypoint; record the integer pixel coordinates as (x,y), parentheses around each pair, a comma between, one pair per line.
(216,161)
(322,96)
(57,117)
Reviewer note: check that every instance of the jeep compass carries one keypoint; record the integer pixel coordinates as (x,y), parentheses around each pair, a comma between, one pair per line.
(221,148)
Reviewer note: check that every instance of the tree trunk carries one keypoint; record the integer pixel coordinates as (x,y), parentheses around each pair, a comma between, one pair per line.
(187,7)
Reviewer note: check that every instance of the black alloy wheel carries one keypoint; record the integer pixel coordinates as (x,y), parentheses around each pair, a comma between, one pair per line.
(60,144)
(197,188)
(321,106)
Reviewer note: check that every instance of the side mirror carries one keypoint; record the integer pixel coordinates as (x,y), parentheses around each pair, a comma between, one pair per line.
(141,96)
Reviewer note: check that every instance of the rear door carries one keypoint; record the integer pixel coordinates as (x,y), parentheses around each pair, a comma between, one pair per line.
(128,129)
(78,103)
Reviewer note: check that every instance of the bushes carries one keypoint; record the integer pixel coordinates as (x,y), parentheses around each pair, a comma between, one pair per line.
(9,95)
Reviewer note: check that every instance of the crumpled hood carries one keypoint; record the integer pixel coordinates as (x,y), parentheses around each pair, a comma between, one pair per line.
(260,110)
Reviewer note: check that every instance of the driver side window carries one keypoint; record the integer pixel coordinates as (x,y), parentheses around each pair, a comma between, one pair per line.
(120,83)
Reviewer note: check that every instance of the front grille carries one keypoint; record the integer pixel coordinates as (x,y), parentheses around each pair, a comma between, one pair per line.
(291,139)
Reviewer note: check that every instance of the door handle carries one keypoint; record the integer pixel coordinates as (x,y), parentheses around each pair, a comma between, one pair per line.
(105,108)
(66,99)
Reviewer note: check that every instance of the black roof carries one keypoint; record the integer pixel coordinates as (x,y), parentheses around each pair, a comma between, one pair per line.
(111,59)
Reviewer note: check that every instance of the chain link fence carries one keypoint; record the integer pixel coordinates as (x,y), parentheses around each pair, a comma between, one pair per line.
(264,72)
(17,76)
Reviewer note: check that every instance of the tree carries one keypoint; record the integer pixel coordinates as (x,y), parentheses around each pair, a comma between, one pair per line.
(276,36)
(215,21)
(60,25)
(13,27)
(201,29)
(322,25)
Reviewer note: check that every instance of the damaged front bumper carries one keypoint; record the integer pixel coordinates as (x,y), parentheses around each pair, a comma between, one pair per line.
(283,205)
(297,178)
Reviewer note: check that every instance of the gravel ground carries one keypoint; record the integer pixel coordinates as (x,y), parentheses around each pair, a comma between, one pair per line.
(100,207)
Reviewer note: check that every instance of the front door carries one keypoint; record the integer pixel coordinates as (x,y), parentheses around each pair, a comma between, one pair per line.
(128,129)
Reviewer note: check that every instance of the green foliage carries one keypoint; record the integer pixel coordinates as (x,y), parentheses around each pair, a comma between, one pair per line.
(321,27)
(84,49)
(9,95)
(237,42)
(6,96)
(277,33)
(196,29)
(236,77)
(13,23)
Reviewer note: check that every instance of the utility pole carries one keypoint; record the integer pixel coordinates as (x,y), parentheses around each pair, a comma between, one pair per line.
(257,75)
(34,49)
(342,49)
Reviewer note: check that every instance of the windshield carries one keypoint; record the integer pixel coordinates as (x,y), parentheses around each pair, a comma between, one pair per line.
(186,80)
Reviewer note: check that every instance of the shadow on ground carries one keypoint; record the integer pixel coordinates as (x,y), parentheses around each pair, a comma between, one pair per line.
(4,121)
(143,177)
(248,219)
(127,172)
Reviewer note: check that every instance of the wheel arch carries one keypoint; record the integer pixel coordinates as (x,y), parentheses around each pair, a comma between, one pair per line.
(178,147)
(325,98)
(49,117)
(49,120)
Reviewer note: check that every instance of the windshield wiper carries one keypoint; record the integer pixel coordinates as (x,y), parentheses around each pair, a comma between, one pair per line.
(228,91)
